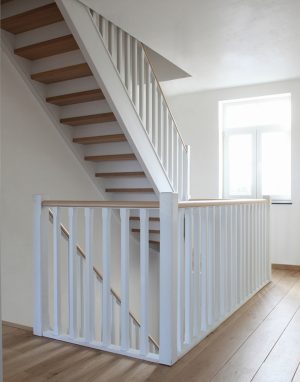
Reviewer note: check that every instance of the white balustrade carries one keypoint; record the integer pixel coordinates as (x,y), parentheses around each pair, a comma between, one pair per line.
(130,59)
(214,255)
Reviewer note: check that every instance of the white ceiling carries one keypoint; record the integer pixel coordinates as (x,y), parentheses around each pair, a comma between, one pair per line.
(220,43)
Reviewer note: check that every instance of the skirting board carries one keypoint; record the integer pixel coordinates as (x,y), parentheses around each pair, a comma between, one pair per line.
(287,267)
(18,326)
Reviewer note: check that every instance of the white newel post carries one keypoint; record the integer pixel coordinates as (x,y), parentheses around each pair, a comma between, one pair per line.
(40,267)
(168,278)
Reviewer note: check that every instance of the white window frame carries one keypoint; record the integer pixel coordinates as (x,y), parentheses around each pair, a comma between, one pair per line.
(256,132)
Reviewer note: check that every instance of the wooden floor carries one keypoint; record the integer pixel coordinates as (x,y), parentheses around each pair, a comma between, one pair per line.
(260,342)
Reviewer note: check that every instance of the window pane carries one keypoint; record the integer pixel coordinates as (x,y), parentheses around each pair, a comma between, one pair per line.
(240,158)
(275,111)
(276,164)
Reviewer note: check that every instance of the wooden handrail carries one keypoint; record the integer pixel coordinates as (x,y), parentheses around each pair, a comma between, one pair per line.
(97,203)
(220,202)
(66,234)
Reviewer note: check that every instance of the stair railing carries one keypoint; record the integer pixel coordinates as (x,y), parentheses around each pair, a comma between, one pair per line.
(131,61)
(134,324)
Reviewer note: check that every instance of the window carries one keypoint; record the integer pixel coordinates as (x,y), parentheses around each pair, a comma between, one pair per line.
(256,147)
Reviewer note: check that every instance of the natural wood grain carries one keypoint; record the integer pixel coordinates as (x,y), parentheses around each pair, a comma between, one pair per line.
(287,267)
(75,98)
(130,190)
(19,326)
(99,203)
(282,362)
(154,242)
(89,119)
(62,74)
(133,174)
(110,158)
(150,230)
(100,139)
(153,219)
(220,202)
(48,48)
(32,19)
(28,358)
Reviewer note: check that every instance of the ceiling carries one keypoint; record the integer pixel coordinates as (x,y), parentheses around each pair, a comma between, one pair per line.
(219,43)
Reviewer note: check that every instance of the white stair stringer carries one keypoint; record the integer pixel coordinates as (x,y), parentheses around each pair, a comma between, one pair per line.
(89,40)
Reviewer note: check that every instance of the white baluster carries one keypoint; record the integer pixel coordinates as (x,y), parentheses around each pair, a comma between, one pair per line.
(124,278)
(72,215)
(128,78)
(154,113)
(204,268)
(222,259)
(134,71)
(141,67)
(188,276)
(148,101)
(40,247)
(120,54)
(56,272)
(106,250)
(170,150)
(175,159)
(197,285)
(180,281)
(144,281)
(89,294)
(165,153)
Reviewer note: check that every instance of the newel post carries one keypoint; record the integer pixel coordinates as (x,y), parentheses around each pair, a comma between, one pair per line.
(168,278)
(40,266)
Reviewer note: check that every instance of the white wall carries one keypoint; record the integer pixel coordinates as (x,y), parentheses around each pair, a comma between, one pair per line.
(197,118)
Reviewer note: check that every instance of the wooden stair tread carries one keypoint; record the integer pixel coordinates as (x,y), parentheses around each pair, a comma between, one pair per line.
(100,139)
(89,119)
(63,74)
(150,230)
(130,190)
(132,174)
(48,48)
(110,157)
(32,19)
(74,98)
(154,242)
(154,219)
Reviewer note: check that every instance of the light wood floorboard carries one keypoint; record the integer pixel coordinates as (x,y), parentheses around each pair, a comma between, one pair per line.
(259,342)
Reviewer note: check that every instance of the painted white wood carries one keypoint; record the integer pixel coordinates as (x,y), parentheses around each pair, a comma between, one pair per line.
(168,278)
(188,276)
(197,285)
(106,250)
(180,282)
(144,281)
(89,291)
(56,271)
(125,341)
(72,274)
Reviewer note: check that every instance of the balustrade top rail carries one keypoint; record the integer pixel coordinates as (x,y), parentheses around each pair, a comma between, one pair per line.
(155,205)
(99,203)
(220,202)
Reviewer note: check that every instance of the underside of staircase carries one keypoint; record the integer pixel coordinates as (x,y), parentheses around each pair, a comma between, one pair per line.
(39,42)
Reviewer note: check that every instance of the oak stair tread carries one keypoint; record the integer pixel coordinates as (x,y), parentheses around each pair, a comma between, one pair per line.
(154,219)
(154,242)
(48,48)
(133,174)
(32,19)
(110,157)
(100,139)
(75,98)
(130,190)
(62,74)
(150,230)
(89,119)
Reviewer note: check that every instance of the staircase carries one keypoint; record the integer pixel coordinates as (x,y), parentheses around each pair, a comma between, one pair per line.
(39,42)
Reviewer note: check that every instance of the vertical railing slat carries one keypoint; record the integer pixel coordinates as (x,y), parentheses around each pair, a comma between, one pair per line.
(188,276)
(106,250)
(89,295)
(56,272)
(144,281)
(125,343)
(72,215)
